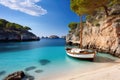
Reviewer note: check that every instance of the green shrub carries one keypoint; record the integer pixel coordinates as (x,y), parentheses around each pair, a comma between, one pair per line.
(73,25)
(97,24)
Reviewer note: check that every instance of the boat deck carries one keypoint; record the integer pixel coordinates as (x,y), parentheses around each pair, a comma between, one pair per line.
(80,52)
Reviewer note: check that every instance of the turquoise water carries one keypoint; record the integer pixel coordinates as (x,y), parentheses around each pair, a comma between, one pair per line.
(46,55)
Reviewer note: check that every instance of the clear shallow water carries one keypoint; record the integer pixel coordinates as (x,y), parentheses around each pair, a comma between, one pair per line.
(46,55)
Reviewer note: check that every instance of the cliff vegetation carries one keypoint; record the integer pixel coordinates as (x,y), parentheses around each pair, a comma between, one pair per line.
(15,32)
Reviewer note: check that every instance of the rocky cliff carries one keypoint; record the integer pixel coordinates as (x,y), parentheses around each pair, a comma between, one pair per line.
(15,32)
(100,32)
(17,36)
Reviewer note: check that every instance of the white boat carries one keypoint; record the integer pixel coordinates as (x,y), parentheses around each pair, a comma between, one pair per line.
(81,53)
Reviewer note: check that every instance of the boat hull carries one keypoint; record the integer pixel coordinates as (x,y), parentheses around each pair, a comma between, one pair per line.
(82,56)
(81,53)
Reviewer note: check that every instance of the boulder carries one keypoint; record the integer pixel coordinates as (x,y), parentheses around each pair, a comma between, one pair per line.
(19,75)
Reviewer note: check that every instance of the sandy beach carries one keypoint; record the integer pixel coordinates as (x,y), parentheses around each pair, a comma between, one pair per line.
(101,69)
(108,71)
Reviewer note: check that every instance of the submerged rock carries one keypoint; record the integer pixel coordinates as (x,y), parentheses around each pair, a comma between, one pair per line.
(19,75)
(44,61)
(38,71)
(30,68)
(28,77)
(2,72)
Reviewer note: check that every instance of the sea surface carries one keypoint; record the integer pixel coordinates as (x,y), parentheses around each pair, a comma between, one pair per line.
(43,58)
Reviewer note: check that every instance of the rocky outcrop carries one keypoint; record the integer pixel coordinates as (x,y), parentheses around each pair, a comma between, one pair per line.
(15,76)
(15,32)
(16,36)
(19,75)
(53,37)
(73,37)
(100,33)
(105,38)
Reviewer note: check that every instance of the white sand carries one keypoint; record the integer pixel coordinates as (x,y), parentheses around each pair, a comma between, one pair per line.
(108,72)
(99,71)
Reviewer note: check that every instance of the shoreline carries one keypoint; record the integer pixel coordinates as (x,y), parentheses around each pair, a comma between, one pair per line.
(103,71)
(27,40)
(97,71)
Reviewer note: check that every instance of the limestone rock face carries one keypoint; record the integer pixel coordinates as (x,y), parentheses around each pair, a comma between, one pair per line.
(15,32)
(115,10)
(100,32)
(105,38)
(16,36)
(73,36)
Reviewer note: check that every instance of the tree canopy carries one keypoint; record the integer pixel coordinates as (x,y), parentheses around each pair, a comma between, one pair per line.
(87,6)
(73,25)
(80,7)
(112,2)
(12,26)
(27,28)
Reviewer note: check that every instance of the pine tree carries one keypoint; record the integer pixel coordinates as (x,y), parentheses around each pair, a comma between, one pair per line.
(80,7)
